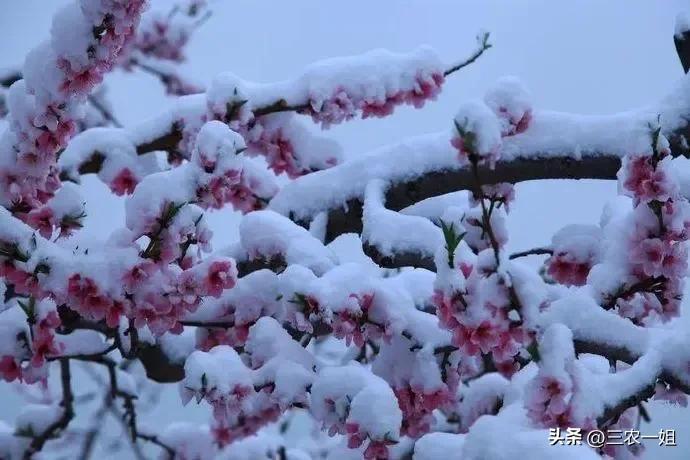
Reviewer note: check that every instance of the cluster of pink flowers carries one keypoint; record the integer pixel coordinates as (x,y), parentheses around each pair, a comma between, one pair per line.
(376,450)
(568,270)
(24,282)
(355,325)
(225,433)
(42,344)
(158,308)
(162,37)
(241,408)
(43,113)
(344,105)
(418,405)
(234,336)
(160,43)
(224,175)
(304,308)
(243,197)
(477,310)
(356,436)
(657,248)
(474,300)
(495,335)
(548,401)
(279,152)
(85,297)
(480,127)
(647,179)
(239,412)
(550,396)
(272,136)
(176,227)
(575,250)
(510,101)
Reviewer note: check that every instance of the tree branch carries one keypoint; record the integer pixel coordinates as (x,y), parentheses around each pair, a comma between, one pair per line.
(348,219)
(483,42)
(682,42)
(61,423)
(531,252)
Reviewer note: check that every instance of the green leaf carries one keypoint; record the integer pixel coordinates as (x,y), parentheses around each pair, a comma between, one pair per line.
(533,350)
(452,239)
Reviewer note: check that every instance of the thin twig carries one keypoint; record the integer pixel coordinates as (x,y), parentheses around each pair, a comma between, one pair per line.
(209,324)
(61,423)
(531,252)
(103,111)
(483,41)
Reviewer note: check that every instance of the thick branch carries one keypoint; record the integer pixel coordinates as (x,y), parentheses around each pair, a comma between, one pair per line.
(171,138)
(8,78)
(682,41)
(400,259)
(405,193)
(612,414)
(614,354)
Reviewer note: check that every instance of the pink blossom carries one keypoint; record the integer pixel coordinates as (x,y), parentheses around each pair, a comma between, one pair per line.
(44,345)
(565,271)
(376,450)
(124,182)
(671,395)
(649,254)
(546,401)
(138,274)
(221,275)
(675,263)
(42,220)
(10,369)
(485,336)
(646,182)
(24,283)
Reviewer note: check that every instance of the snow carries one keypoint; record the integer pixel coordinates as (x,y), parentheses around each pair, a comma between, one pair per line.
(323,190)
(506,437)
(371,77)
(348,249)
(434,446)
(220,369)
(178,347)
(433,208)
(392,232)
(550,135)
(582,241)
(367,400)
(264,234)
(36,418)
(511,101)
(113,143)
(185,108)
(475,118)
(83,342)
(190,440)
(12,323)
(588,321)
